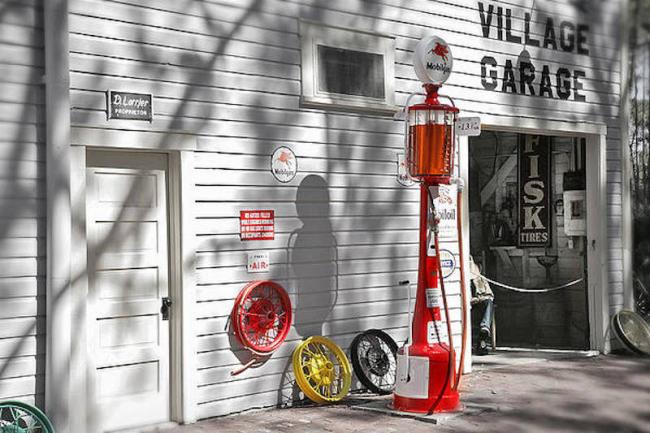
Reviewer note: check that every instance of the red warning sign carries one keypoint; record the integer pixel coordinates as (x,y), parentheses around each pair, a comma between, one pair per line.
(257,225)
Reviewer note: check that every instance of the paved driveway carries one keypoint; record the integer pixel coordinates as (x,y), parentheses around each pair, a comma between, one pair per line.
(508,392)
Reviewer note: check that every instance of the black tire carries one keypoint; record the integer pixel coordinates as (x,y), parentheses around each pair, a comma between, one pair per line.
(374,359)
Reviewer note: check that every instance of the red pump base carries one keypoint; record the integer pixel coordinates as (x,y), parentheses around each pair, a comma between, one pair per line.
(438,356)
(431,382)
(448,403)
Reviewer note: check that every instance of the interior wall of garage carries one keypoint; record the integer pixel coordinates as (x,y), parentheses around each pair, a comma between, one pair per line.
(227,74)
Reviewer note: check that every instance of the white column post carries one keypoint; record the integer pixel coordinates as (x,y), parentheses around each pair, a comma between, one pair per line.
(188,285)
(57,137)
(597,247)
(464,174)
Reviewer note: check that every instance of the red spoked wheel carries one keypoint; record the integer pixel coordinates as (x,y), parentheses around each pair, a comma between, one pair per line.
(262,316)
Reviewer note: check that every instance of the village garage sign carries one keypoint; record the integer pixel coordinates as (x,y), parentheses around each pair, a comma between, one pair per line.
(522,76)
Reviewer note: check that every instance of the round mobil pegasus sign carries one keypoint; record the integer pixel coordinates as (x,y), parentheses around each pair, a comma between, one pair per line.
(284,165)
(433,60)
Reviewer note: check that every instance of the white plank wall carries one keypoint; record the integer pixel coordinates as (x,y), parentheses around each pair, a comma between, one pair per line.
(22,202)
(228,72)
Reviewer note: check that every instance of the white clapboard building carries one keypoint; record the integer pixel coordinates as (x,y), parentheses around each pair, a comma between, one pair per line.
(134,134)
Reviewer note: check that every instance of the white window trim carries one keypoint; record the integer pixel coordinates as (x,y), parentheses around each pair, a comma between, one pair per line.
(313,34)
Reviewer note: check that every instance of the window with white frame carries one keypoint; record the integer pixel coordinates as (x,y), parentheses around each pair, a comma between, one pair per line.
(349,69)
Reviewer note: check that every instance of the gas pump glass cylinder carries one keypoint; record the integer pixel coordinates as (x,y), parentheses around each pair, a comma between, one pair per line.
(431,142)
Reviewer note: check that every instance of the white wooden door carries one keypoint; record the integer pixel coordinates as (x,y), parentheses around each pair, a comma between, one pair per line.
(128,278)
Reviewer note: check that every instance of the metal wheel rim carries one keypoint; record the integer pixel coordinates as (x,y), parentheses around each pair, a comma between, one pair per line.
(381,372)
(16,417)
(377,361)
(322,370)
(262,316)
(632,331)
(379,377)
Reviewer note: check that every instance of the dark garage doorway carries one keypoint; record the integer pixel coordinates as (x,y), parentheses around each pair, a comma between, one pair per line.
(528,230)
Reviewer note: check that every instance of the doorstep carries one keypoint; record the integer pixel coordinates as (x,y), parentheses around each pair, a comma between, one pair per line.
(508,357)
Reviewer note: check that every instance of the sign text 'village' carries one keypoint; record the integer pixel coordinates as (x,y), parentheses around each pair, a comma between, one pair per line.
(522,75)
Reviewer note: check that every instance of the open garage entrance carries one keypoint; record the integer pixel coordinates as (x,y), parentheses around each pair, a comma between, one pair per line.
(528,232)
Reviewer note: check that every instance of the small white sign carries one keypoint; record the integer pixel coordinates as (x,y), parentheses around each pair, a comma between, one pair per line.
(284,164)
(446,207)
(437,332)
(447,263)
(402,174)
(258,261)
(433,297)
(417,369)
(469,126)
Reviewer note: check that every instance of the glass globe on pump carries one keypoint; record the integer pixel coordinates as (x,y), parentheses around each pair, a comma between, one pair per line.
(431,131)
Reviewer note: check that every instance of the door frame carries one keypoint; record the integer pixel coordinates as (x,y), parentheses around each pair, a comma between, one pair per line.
(182,282)
(596,198)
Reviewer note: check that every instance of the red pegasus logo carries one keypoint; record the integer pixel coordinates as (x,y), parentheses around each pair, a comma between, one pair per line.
(285,158)
(441,51)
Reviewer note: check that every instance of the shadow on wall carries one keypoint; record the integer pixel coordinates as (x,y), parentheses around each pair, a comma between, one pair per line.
(312,274)
(313,264)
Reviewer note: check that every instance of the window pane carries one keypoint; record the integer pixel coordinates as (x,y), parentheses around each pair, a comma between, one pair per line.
(350,72)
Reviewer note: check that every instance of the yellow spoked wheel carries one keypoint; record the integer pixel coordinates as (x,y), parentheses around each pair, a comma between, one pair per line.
(322,370)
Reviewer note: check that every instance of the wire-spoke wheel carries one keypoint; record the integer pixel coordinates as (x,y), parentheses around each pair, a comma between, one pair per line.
(262,316)
(632,331)
(322,370)
(374,358)
(19,417)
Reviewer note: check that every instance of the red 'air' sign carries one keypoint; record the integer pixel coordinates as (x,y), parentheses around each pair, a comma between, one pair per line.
(257,225)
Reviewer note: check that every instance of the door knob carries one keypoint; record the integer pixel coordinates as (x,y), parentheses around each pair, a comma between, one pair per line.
(166,307)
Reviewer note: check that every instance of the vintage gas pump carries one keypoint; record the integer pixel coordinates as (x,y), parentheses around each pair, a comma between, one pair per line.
(427,380)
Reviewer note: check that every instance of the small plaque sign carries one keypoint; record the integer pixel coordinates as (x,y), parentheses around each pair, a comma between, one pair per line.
(130,106)
(469,126)
(257,225)
(258,261)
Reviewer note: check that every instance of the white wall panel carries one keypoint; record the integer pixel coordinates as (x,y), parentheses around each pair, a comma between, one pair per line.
(22,201)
